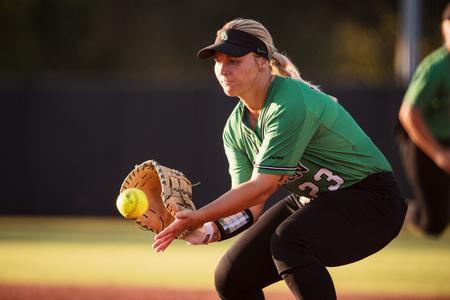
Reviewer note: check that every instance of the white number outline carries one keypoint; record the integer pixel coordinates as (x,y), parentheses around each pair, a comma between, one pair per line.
(329,176)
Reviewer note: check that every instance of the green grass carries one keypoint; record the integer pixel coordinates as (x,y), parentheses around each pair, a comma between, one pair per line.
(113,251)
(410,264)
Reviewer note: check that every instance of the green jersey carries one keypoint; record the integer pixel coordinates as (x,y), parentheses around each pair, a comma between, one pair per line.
(304,133)
(429,91)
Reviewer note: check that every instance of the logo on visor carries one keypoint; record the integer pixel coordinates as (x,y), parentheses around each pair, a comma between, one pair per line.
(223,36)
(259,50)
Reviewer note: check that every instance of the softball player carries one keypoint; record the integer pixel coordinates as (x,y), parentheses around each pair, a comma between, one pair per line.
(425,150)
(344,203)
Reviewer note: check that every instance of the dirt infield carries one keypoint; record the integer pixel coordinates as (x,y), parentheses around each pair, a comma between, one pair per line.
(40,292)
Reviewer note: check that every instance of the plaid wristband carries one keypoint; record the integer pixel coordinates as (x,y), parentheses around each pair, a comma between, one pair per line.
(235,224)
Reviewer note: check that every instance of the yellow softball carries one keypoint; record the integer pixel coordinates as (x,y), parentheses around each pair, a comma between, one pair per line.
(132,203)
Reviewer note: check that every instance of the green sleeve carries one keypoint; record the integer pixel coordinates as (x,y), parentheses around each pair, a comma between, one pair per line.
(423,87)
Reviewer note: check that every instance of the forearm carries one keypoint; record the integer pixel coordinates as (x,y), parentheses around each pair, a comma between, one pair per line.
(225,228)
(249,194)
(413,122)
(231,226)
(237,199)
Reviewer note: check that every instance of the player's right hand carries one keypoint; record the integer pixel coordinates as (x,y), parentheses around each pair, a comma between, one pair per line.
(442,160)
(184,221)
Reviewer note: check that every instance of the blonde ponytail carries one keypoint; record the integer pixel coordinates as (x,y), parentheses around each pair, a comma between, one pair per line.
(280,64)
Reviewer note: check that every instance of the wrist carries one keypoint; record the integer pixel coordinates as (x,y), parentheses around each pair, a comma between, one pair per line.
(216,232)
(200,236)
(208,232)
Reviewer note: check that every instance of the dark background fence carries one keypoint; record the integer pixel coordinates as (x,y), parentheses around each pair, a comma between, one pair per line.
(90,88)
(68,144)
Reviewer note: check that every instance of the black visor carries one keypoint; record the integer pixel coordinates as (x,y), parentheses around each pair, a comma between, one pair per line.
(235,43)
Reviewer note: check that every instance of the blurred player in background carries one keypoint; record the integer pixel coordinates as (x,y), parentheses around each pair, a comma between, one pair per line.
(344,204)
(425,149)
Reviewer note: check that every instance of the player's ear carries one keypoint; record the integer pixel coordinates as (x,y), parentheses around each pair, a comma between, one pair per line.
(262,63)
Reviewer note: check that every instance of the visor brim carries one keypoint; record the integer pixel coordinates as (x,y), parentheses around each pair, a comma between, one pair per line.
(226,48)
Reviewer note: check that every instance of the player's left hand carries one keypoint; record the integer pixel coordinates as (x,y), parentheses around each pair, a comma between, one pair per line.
(184,221)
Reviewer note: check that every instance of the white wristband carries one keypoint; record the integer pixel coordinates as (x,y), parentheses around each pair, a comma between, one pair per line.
(200,236)
(208,230)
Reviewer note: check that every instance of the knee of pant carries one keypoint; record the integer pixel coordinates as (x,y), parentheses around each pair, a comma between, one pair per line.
(225,279)
(221,281)
(288,243)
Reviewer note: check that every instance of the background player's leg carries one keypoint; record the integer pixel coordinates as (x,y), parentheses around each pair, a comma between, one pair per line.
(432,192)
(429,208)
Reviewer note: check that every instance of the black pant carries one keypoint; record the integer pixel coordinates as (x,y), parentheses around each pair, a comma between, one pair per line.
(296,242)
(431,187)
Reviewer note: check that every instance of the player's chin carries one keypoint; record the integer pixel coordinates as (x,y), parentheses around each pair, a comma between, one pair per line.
(229,91)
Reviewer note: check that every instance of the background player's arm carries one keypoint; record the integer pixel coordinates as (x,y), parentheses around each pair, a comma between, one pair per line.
(414,124)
